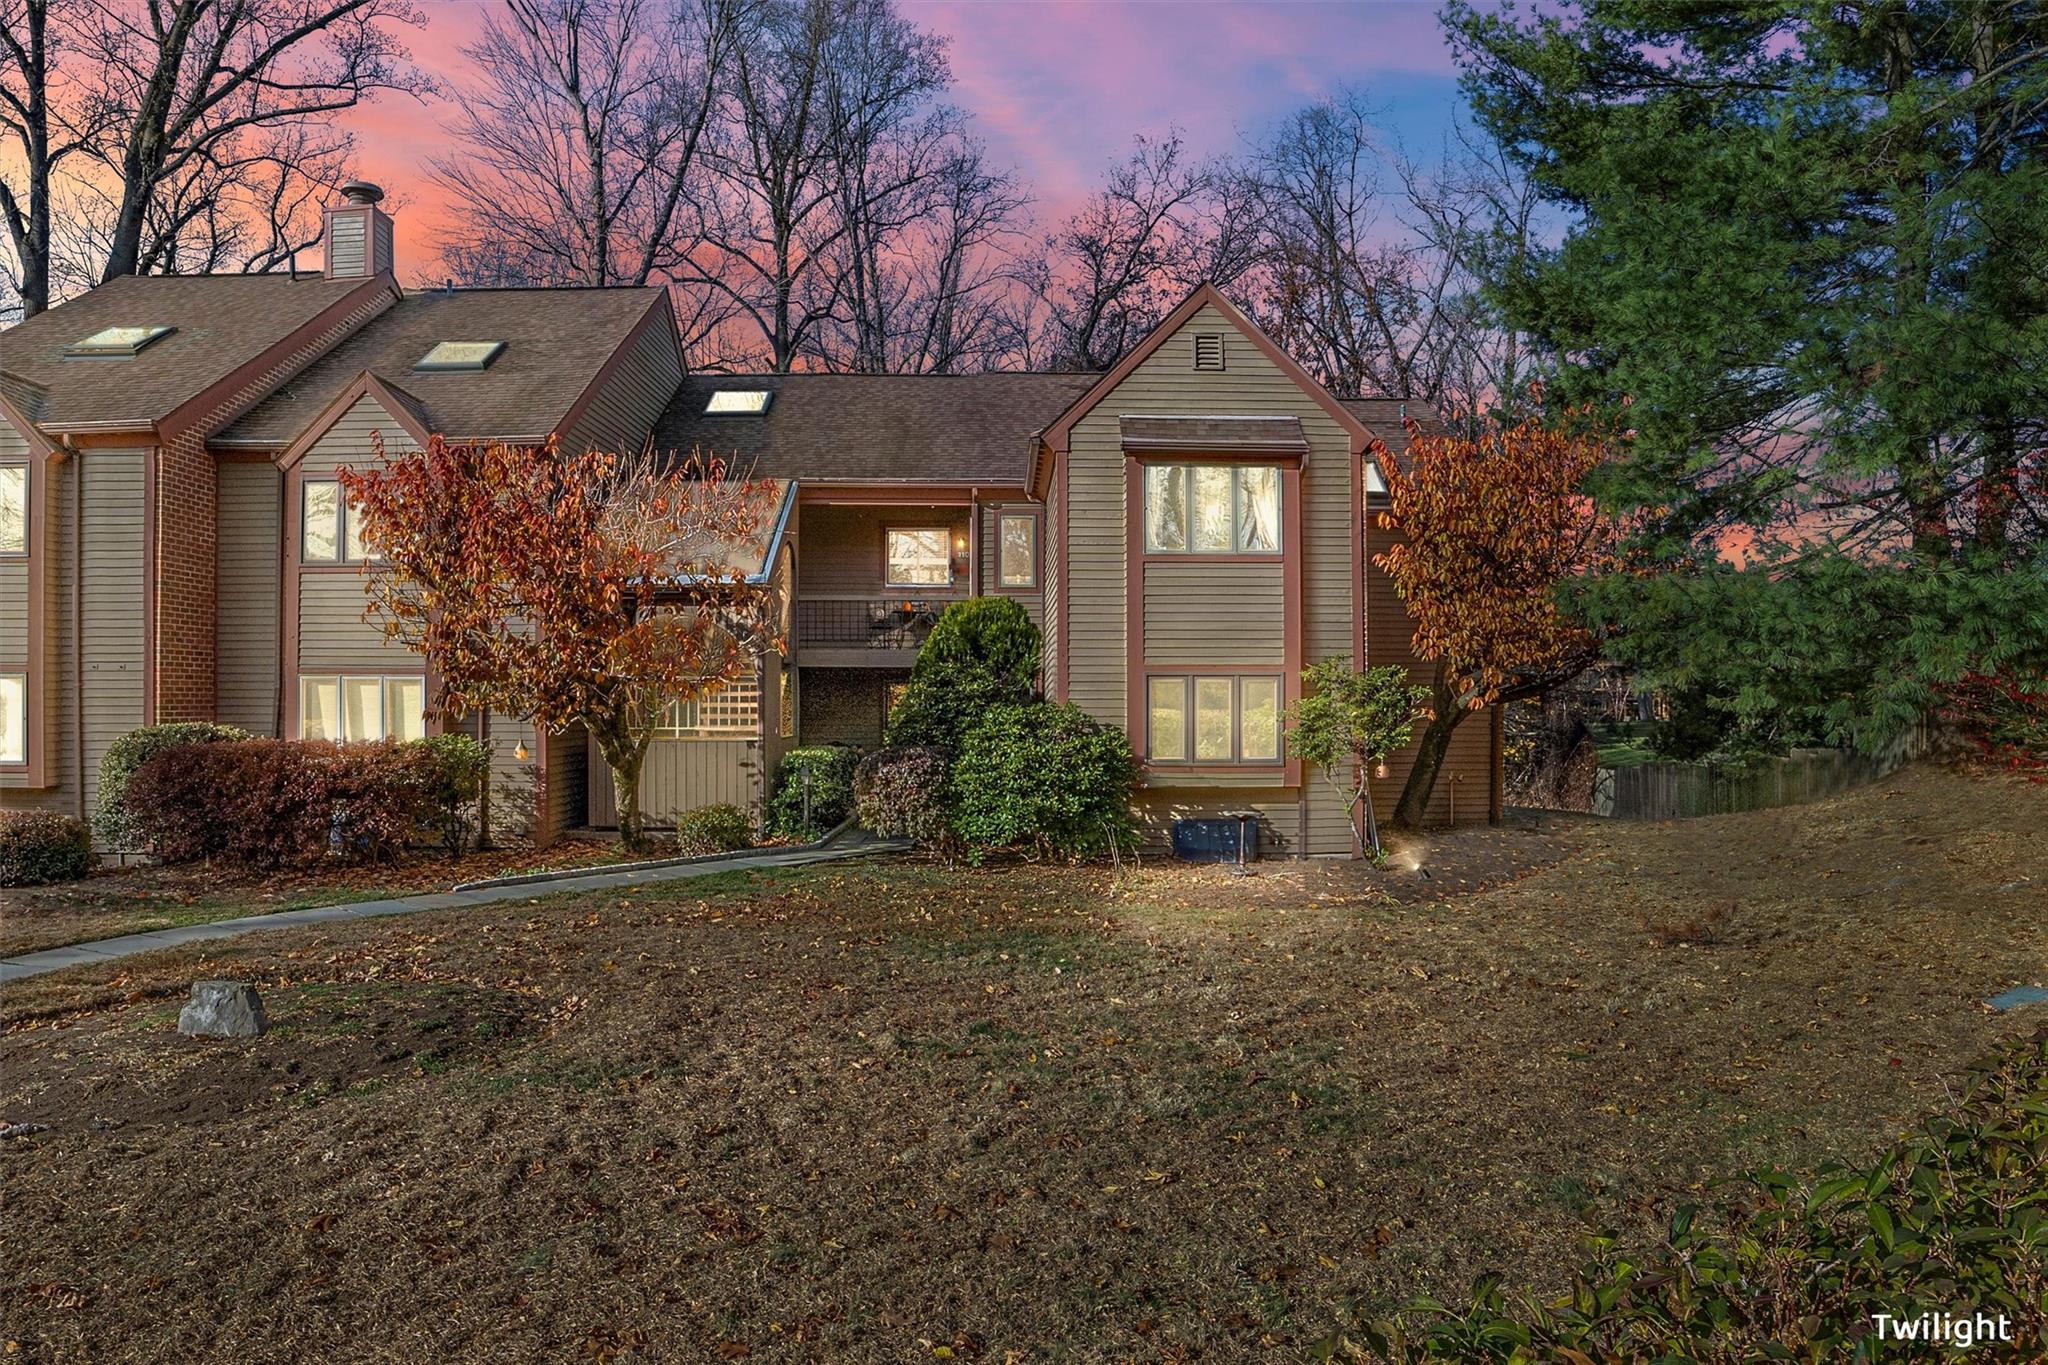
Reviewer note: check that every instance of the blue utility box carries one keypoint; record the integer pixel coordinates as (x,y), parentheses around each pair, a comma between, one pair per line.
(1231,838)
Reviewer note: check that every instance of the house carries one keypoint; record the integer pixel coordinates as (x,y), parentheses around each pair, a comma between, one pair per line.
(1190,529)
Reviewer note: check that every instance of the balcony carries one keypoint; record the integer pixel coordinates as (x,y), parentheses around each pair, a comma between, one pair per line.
(864,632)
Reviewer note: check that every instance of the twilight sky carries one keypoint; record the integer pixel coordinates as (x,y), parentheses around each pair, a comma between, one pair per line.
(1056,89)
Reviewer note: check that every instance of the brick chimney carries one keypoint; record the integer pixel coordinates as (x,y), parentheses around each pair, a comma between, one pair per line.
(357,234)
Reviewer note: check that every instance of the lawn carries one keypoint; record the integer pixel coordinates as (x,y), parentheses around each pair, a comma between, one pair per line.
(903,1113)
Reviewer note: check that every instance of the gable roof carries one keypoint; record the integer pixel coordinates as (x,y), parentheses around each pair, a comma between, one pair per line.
(1384,418)
(874,428)
(223,322)
(556,341)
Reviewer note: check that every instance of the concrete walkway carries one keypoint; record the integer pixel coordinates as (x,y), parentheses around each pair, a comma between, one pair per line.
(107,949)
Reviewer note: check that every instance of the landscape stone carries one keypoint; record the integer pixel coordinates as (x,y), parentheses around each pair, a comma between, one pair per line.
(223,1009)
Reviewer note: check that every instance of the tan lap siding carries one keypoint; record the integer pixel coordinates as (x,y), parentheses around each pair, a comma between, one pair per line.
(13,613)
(111,628)
(247,585)
(332,631)
(623,410)
(1210,612)
(1051,595)
(680,775)
(843,552)
(1158,806)
(57,694)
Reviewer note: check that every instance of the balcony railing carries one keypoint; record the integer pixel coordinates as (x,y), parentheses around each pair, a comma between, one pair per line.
(866,623)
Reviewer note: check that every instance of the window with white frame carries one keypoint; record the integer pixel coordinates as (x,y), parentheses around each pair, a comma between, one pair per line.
(1017,550)
(918,557)
(728,712)
(13,717)
(1212,718)
(330,527)
(352,708)
(13,509)
(1212,509)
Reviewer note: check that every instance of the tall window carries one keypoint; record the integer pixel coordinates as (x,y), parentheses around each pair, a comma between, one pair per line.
(13,718)
(1212,509)
(330,527)
(13,509)
(358,708)
(1017,550)
(1213,719)
(918,557)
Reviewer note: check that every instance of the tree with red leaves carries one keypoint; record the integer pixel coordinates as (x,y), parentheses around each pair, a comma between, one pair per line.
(1491,523)
(565,588)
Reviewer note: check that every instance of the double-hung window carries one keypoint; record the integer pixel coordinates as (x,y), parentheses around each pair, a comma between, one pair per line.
(1212,509)
(917,557)
(358,708)
(1212,718)
(330,527)
(1017,550)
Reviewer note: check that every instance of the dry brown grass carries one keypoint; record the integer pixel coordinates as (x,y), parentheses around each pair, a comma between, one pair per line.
(897,1113)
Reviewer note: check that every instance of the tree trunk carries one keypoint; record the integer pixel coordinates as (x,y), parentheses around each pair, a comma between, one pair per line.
(1429,757)
(625,755)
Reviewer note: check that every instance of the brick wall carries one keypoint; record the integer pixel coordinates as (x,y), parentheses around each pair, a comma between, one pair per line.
(184,499)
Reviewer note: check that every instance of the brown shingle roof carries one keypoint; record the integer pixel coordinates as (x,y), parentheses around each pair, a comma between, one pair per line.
(1382,417)
(223,322)
(856,428)
(556,340)
(1213,433)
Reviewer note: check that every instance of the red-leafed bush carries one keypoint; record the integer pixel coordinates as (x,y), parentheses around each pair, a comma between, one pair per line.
(270,803)
(2005,717)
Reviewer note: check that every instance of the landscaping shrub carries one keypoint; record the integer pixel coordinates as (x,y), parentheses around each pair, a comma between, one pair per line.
(454,770)
(2004,716)
(904,793)
(270,803)
(831,784)
(1949,1221)
(129,752)
(1045,779)
(983,653)
(713,829)
(39,846)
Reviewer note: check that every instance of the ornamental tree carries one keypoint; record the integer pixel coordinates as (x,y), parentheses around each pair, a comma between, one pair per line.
(565,588)
(1345,726)
(1490,525)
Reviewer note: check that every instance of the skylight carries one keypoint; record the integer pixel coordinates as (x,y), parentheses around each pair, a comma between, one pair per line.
(117,340)
(738,402)
(460,355)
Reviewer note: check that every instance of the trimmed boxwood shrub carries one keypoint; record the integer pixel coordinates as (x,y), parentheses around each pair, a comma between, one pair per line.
(713,829)
(831,773)
(1044,779)
(456,769)
(131,751)
(271,803)
(983,653)
(904,793)
(40,846)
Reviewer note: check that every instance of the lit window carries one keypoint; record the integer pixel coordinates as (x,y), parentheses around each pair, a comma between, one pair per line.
(1213,719)
(1017,551)
(921,557)
(117,340)
(13,509)
(330,530)
(1212,509)
(459,355)
(738,402)
(13,718)
(724,712)
(358,709)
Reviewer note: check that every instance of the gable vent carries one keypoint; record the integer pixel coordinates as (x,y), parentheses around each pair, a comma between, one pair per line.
(1209,350)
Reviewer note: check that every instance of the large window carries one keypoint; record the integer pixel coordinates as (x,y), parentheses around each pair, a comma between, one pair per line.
(13,509)
(357,708)
(1017,550)
(13,718)
(1212,509)
(330,528)
(732,711)
(1212,718)
(918,557)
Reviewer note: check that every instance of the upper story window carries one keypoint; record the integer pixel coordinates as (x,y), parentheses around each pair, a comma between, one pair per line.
(918,557)
(13,509)
(738,402)
(459,355)
(117,341)
(1017,550)
(330,527)
(1212,509)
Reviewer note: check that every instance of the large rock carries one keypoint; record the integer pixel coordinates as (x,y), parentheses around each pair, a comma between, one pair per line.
(223,1009)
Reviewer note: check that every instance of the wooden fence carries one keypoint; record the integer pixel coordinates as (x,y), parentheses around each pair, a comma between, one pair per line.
(1674,791)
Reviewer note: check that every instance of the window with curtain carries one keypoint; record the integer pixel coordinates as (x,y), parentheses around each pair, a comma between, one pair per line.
(918,557)
(13,509)
(354,708)
(1212,509)
(1017,551)
(1213,718)
(13,717)
(330,528)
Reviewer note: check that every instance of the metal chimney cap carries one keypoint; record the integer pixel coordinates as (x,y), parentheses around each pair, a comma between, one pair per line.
(362,192)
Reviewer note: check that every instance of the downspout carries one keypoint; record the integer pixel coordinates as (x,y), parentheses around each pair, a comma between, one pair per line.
(974,542)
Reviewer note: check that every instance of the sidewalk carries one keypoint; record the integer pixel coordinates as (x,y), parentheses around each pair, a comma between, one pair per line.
(107,949)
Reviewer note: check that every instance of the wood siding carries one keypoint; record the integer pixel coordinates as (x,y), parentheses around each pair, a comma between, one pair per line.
(1207,612)
(682,774)
(841,551)
(621,413)
(329,602)
(247,581)
(845,705)
(13,612)
(1050,595)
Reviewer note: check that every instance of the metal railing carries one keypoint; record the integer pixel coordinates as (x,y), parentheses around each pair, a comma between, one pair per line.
(866,623)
